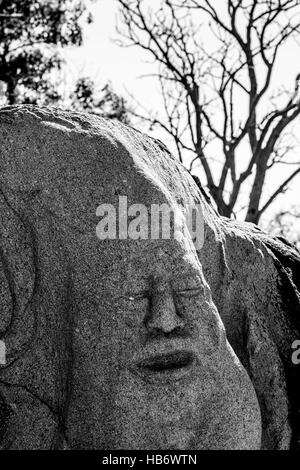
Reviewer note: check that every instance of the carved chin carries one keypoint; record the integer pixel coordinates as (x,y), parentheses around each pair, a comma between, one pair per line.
(185,414)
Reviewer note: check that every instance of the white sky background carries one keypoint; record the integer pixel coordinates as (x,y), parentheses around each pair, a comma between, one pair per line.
(102,60)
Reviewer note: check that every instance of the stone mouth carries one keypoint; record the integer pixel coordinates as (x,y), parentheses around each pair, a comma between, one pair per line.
(173,365)
(175,360)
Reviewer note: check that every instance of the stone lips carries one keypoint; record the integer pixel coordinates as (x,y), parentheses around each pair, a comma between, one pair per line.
(56,168)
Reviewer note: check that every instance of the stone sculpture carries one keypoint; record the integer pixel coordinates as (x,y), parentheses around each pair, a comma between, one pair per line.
(134,343)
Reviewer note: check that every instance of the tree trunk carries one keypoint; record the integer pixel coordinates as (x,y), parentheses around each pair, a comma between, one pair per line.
(224,209)
(253,214)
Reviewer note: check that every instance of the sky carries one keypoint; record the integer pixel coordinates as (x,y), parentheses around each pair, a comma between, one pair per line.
(103,60)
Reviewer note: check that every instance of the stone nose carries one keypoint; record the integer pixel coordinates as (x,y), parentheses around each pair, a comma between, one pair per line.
(163,315)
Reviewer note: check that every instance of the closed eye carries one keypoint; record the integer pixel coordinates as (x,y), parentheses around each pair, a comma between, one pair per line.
(190,292)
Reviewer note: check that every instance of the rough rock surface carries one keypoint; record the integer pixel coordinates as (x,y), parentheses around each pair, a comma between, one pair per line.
(83,320)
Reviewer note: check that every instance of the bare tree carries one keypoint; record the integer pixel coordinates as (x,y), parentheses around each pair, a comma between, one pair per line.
(215,64)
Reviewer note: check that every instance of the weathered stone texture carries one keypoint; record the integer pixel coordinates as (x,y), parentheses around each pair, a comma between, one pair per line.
(72,333)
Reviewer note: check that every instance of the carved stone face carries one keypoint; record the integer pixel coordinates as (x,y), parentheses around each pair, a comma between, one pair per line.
(152,368)
(112,344)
